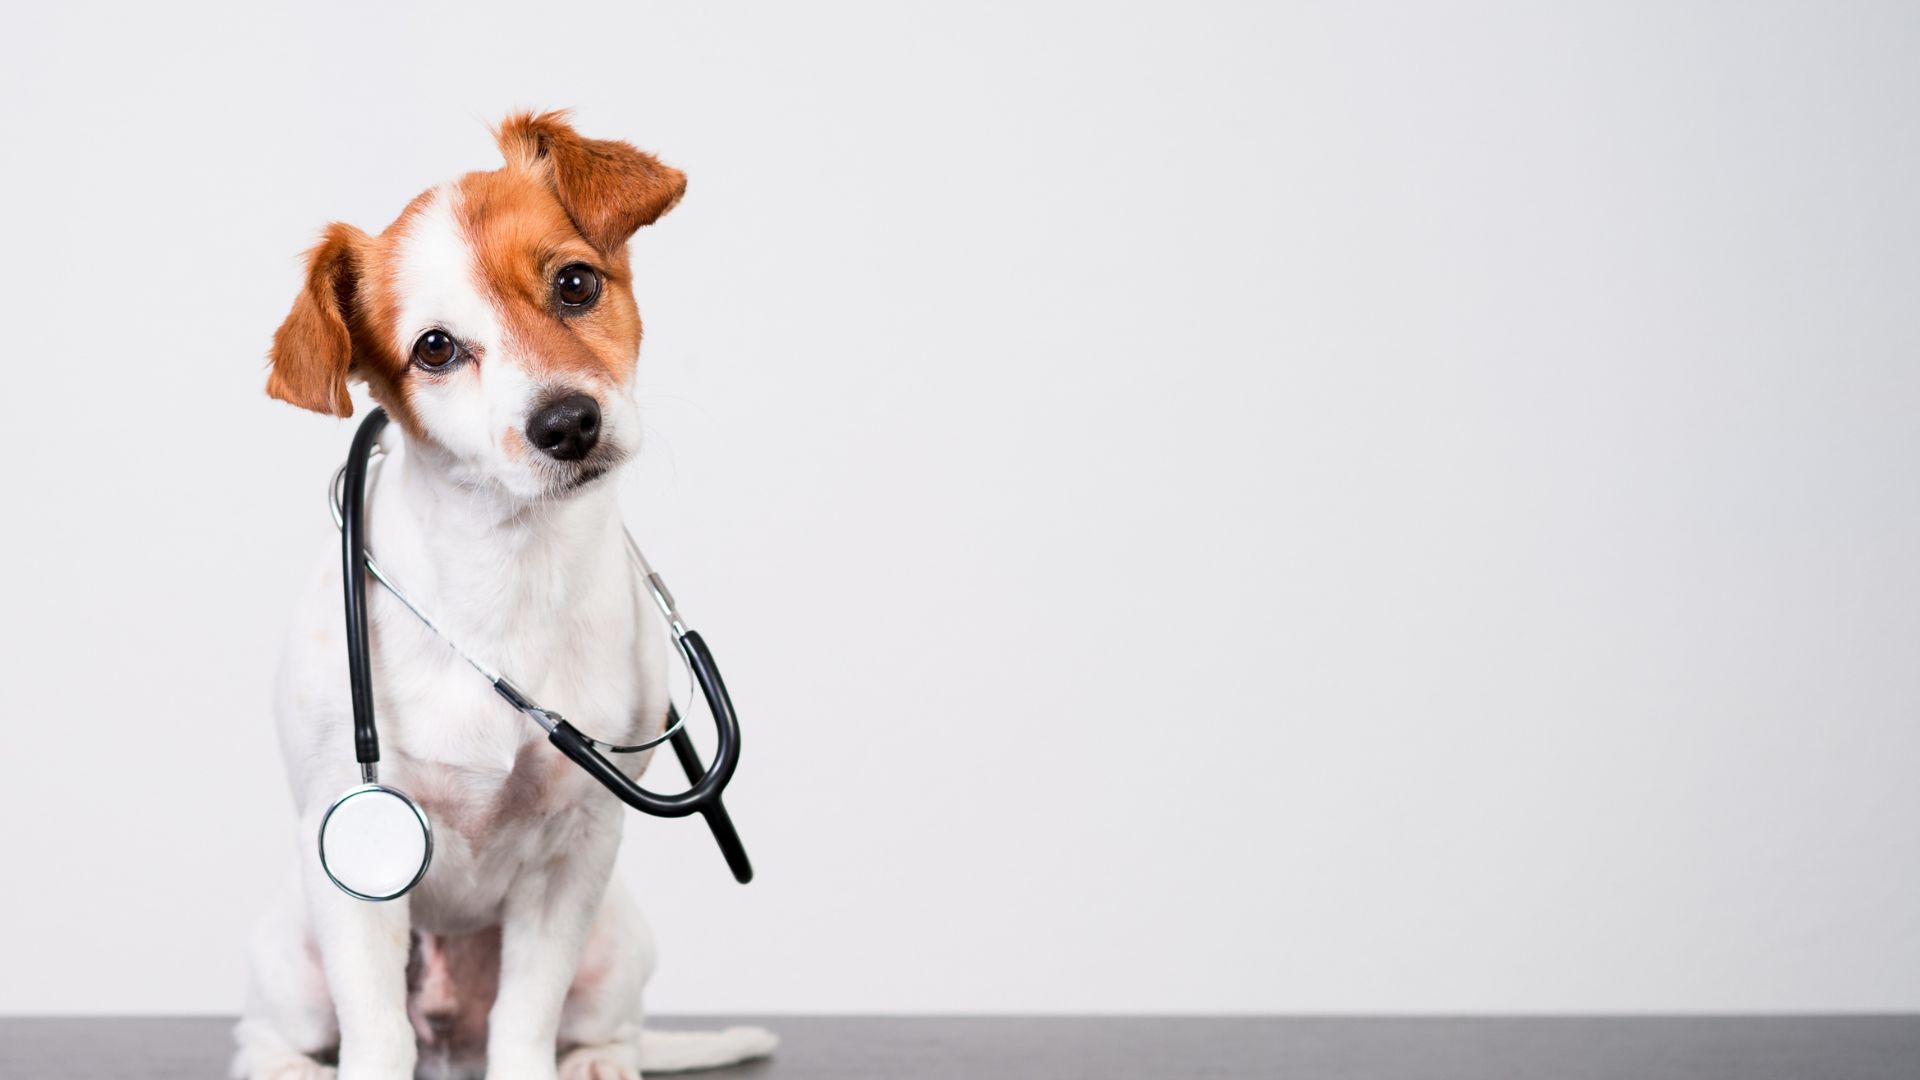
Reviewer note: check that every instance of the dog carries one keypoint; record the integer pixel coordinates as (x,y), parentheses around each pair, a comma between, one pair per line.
(495,322)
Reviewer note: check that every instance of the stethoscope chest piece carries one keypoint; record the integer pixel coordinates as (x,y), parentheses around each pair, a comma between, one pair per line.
(375,843)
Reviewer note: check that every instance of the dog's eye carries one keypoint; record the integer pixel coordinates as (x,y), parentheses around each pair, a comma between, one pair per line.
(576,286)
(435,349)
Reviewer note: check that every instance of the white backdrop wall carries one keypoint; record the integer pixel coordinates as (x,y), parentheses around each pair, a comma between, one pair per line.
(1340,507)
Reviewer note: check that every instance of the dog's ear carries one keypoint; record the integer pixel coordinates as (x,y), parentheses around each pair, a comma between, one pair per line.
(313,349)
(608,188)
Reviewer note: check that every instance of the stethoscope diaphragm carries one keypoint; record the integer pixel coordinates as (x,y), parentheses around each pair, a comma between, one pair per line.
(375,843)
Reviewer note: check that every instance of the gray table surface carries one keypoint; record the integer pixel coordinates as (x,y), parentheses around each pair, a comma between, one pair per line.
(1123,1048)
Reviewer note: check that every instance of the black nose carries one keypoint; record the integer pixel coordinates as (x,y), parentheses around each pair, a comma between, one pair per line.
(566,429)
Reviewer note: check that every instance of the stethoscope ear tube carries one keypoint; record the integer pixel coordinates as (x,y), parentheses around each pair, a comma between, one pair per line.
(353,537)
(719,822)
(704,796)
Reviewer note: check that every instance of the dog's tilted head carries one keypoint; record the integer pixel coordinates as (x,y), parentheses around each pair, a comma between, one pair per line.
(495,318)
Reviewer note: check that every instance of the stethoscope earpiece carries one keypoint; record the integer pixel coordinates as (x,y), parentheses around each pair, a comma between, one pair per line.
(375,843)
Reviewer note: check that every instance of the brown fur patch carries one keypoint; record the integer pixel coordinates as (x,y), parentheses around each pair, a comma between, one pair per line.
(313,349)
(521,237)
(343,324)
(609,188)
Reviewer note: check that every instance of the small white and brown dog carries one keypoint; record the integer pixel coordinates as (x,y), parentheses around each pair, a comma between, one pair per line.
(495,321)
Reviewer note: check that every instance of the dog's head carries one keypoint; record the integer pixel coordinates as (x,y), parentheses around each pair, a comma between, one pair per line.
(494,319)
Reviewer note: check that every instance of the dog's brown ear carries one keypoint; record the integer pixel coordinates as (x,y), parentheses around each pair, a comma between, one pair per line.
(313,349)
(608,188)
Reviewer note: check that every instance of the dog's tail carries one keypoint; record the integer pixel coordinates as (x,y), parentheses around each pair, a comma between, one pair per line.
(679,1051)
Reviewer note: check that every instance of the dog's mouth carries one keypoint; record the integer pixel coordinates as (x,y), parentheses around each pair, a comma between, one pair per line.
(583,477)
(574,476)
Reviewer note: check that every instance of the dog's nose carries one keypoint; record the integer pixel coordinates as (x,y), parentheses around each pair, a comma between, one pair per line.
(566,429)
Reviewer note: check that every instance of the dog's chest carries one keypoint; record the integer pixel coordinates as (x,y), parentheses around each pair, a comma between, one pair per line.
(445,713)
(501,799)
(484,808)
(489,830)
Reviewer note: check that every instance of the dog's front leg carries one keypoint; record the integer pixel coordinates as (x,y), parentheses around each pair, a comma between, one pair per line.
(544,925)
(364,947)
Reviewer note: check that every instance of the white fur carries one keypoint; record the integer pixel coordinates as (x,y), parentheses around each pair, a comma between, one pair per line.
(539,586)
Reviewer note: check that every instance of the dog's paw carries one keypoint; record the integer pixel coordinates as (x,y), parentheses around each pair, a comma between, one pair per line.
(607,1061)
(295,1069)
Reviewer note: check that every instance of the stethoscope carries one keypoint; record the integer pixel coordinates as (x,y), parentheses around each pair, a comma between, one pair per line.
(376,842)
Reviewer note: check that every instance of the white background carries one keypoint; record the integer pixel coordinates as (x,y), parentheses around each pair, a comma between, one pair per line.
(1311,508)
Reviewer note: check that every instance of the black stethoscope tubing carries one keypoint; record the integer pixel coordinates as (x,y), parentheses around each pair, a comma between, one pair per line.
(703,797)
